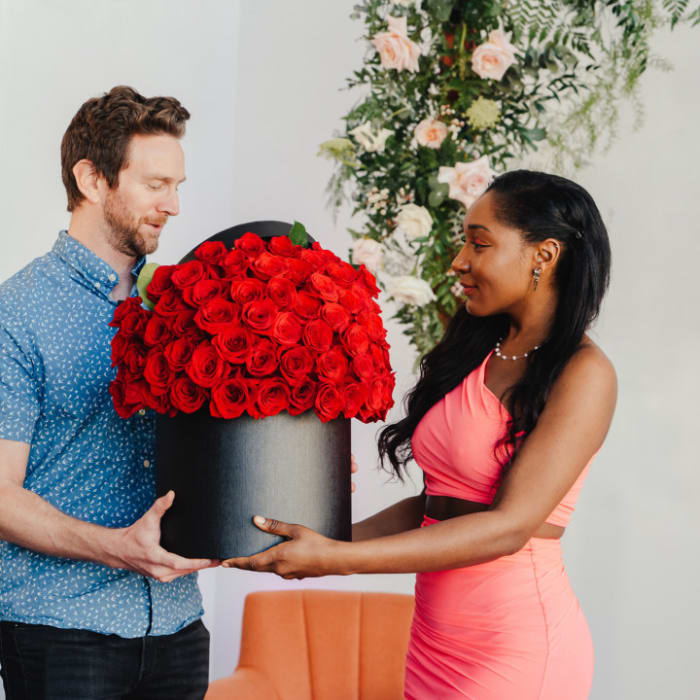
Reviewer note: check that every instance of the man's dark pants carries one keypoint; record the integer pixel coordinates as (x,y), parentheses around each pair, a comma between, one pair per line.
(47,663)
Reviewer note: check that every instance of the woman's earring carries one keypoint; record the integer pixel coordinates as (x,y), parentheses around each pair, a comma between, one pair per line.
(536,278)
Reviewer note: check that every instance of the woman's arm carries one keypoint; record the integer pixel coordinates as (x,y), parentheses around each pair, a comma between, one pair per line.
(570,429)
(402,516)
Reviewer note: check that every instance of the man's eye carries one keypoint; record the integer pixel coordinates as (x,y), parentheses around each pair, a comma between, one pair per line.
(155,187)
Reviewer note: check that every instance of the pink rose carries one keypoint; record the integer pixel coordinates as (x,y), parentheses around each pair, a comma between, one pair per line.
(467,181)
(431,133)
(493,58)
(396,50)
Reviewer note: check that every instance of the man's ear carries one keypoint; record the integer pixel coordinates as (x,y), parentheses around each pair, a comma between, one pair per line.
(88,180)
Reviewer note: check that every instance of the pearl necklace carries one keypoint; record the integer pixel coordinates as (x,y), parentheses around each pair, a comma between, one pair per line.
(497,352)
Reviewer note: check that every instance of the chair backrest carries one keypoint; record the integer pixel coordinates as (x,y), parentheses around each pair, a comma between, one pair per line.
(328,645)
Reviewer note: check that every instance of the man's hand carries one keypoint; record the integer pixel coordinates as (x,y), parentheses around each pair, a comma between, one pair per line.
(137,547)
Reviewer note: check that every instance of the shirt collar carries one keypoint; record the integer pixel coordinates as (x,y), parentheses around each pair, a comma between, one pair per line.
(101,274)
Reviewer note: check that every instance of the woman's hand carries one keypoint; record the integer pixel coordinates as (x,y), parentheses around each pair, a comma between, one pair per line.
(353,469)
(306,553)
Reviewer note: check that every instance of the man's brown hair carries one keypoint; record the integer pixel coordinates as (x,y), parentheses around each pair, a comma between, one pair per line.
(102,128)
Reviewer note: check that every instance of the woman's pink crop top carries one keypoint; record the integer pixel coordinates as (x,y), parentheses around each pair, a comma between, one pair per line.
(454,445)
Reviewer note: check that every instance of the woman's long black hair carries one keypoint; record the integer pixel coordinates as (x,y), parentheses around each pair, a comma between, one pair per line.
(541,206)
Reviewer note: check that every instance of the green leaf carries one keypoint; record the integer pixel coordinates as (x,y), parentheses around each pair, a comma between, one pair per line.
(298,234)
(143,280)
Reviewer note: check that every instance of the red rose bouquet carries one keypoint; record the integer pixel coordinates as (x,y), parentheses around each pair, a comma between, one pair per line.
(264,327)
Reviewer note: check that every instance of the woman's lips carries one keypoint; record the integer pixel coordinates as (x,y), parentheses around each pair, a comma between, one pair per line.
(468,288)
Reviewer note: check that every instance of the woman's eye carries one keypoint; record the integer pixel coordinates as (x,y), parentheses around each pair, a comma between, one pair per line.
(476,245)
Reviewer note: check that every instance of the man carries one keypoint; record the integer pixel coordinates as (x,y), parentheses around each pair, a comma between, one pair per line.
(91,605)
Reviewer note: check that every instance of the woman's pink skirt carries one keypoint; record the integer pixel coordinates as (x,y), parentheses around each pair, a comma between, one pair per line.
(509,629)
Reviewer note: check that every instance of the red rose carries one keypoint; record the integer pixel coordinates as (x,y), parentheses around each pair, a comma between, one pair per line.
(267,265)
(326,256)
(234,344)
(379,393)
(282,292)
(355,396)
(158,373)
(134,322)
(259,315)
(262,359)
(355,299)
(323,286)
(302,396)
(332,366)
(216,316)
(186,396)
(296,363)
(182,322)
(329,402)
(230,398)
(306,306)
(212,252)
(123,309)
(380,355)
(179,353)
(135,357)
(117,389)
(298,271)
(206,367)
(201,292)
(186,274)
(336,316)
(363,366)
(160,282)
(273,396)
(286,328)
(315,261)
(170,303)
(236,263)
(251,244)
(160,403)
(282,245)
(120,343)
(157,331)
(372,323)
(247,290)
(342,273)
(355,339)
(318,335)
(369,281)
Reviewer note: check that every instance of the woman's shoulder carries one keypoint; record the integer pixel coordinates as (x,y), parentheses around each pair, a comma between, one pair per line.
(590,370)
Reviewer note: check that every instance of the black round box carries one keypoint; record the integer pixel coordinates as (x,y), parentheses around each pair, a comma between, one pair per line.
(290,468)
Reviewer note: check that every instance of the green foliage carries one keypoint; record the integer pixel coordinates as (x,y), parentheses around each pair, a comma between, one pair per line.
(559,102)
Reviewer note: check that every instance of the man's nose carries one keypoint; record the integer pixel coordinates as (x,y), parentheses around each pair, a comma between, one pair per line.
(171,204)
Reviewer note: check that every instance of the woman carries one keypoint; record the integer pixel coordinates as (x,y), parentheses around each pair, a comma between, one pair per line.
(510,408)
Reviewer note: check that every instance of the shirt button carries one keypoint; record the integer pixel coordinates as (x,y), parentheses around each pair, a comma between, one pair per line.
(112,277)
(146,463)
(142,411)
(97,285)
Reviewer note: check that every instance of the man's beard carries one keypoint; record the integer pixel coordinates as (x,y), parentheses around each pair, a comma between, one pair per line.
(124,233)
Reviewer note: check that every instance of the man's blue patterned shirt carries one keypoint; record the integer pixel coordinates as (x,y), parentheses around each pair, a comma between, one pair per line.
(55,370)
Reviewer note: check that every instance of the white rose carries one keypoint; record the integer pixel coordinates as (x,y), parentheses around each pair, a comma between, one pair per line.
(396,50)
(492,59)
(414,221)
(467,181)
(410,290)
(371,140)
(367,252)
(431,133)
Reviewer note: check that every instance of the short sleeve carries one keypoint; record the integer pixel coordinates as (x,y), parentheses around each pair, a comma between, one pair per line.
(19,391)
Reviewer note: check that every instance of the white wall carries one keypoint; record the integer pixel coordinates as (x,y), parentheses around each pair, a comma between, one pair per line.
(261,81)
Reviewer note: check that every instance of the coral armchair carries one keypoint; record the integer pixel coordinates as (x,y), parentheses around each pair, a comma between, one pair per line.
(325,645)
